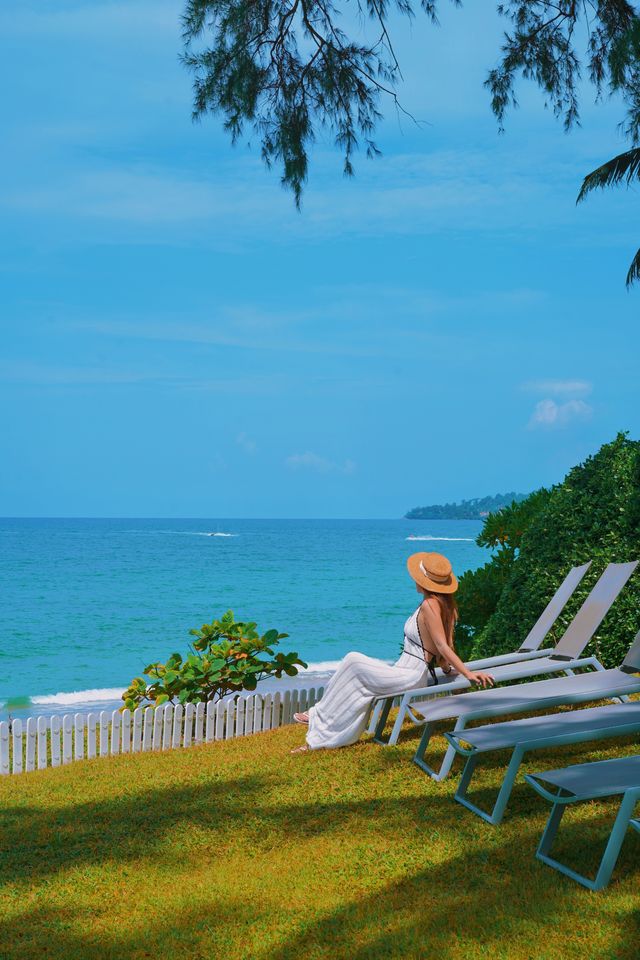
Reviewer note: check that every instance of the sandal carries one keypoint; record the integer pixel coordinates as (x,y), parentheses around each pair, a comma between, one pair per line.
(302,749)
(301,717)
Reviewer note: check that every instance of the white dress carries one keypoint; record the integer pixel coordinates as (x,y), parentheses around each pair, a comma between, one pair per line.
(340,717)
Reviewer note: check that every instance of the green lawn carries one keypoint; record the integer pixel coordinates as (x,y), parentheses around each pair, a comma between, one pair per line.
(238,850)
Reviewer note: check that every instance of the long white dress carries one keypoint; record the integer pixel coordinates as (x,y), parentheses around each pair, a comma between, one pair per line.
(340,717)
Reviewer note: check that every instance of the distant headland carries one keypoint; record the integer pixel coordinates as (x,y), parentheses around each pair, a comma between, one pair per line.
(475,509)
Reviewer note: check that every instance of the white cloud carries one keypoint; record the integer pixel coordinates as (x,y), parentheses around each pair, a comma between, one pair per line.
(246,443)
(561,388)
(549,414)
(312,461)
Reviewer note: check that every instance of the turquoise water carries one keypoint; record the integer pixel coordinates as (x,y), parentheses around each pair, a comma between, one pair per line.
(85,604)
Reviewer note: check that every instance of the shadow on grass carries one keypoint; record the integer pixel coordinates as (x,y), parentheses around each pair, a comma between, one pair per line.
(465,889)
(36,841)
(474,905)
(39,841)
(192,935)
(479,904)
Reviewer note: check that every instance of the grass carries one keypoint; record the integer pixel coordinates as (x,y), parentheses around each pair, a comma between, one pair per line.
(238,851)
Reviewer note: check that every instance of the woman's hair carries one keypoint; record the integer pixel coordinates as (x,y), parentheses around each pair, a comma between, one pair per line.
(449,613)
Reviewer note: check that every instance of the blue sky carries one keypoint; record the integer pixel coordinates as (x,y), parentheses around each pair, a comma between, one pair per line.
(176,340)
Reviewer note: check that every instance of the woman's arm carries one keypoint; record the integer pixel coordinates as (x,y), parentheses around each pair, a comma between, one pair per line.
(430,619)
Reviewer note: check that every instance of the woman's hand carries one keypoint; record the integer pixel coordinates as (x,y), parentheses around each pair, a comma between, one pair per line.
(482,679)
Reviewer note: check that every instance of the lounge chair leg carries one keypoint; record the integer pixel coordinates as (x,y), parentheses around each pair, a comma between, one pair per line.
(465,779)
(612,849)
(504,794)
(373,719)
(397,726)
(383,716)
(496,815)
(418,757)
(550,831)
(447,762)
(616,839)
(448,758)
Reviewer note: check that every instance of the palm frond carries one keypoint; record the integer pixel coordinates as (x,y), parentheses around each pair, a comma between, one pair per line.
(626,166)
(634,270)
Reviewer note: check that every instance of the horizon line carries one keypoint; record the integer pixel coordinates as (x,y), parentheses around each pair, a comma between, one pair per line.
(138,517)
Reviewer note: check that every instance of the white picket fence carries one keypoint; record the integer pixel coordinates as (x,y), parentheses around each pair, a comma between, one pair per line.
(42,742)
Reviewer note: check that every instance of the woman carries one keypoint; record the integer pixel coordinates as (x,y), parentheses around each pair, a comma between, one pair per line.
(340,717)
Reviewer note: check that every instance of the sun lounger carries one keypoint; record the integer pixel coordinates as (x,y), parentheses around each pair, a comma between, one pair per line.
(529,649)
(564,658)
(541,695)
(590,781)
(535,733)
(530,646)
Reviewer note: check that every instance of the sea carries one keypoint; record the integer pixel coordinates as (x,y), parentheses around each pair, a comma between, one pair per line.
(86,604)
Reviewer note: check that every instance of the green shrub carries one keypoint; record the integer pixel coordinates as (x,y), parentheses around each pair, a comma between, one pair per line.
(226,657)
(594,514)
(480,590)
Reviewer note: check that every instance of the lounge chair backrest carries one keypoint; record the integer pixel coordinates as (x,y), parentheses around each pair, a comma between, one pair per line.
(631,663)
(553,609)
(593,610)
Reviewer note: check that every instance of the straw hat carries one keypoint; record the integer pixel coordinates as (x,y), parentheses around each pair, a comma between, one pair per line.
(432,571)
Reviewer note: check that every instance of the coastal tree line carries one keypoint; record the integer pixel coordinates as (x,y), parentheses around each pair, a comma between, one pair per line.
(473,509)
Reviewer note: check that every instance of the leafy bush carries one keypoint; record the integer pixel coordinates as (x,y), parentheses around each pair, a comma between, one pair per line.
(594,514)
(480,590)
(226,657)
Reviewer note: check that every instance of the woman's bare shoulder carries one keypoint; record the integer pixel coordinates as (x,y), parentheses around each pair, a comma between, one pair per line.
(430,608)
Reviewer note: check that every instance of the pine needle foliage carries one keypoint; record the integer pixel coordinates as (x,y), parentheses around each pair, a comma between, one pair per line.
(542,45)
(286,69)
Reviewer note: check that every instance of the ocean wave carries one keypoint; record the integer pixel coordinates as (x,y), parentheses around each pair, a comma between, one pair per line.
(322,666)
(113,694)
(326,666)
(15,702)
(79,696)
(207,533)
(469,539)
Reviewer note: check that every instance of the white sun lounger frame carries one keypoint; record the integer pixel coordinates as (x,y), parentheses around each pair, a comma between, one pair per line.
(565,658)
(529,649)
(524,736)
(541,696)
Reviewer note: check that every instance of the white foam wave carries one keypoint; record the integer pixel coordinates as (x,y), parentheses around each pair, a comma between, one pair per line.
(207,533)
(109,695)
(79,696)
(114,694)
(326,666)
(469,539)
(322,666)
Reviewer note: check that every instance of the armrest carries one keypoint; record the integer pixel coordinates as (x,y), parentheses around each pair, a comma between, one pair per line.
(505,658)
